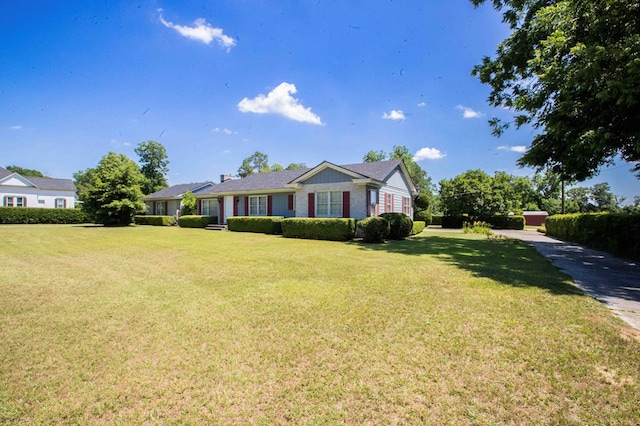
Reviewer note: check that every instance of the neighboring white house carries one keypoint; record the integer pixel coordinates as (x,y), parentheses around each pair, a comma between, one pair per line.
(29,191)
(326,190)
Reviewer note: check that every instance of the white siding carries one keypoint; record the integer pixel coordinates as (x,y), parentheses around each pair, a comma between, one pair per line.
(397,187)
(38,197)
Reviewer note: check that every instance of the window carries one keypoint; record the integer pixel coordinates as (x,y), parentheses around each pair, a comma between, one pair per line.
(10,201)
(329,204)
(160,208)
(210,207)
(388,202)
(61,203)
(258,205)
(406,206)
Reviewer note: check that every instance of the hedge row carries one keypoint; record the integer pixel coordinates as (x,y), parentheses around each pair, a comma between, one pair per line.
(154,220)
(496,222)
(613,233)
(32,215)
(194,221)
(258,224)
(319,228)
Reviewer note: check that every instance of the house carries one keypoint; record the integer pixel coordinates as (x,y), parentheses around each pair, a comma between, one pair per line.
(168,201)
(326,190)
(534,218)
(30,191)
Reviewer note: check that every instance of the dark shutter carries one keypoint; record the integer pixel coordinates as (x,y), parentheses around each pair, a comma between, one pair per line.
(246,206)
(290,202)
(312,204)
(346,204)
(221,211)
(235,206)
(269,205)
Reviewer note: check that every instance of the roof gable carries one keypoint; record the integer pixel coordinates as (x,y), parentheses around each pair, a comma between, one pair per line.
(14,179)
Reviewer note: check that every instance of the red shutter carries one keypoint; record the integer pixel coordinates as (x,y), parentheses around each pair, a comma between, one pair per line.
(392,206)
(346,204)
(246,206)
(199,207)
(290,202)
(221,211)
(235,206)
(269,205)
(312,204)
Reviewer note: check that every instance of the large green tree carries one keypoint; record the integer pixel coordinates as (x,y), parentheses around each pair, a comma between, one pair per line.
(154,164)
(111,191)
(570,68)
(257,162)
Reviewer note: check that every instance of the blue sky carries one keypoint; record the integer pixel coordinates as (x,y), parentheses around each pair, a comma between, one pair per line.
(215,81)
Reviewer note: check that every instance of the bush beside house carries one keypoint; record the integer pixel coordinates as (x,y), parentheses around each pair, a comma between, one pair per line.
(194,221)
(155,220)
(319,228)
(374,229)
(258,224)
(25,215)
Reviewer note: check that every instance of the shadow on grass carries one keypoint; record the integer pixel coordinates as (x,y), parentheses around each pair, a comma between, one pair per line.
(509,262)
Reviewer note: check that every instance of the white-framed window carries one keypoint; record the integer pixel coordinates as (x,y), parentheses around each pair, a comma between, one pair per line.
(389,202)
(209,207)
(11,201)
(160,208)
(406,206)
(257,205)
(61,203)
(329,204)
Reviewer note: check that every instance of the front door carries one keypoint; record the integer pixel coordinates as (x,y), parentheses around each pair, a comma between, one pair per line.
(228,207)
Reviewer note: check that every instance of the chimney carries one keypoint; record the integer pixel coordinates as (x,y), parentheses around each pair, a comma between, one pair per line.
(224,178)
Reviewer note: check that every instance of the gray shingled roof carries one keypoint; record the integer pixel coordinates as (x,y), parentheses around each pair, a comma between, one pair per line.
(176,191)
(277,180)
(44,182)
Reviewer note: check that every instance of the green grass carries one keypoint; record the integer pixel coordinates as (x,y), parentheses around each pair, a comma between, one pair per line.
(173,326)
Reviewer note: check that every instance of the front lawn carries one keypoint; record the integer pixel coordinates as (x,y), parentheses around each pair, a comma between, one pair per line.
(171,326)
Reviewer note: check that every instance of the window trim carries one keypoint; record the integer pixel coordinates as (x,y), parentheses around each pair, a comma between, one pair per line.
(15,201)
(64,203)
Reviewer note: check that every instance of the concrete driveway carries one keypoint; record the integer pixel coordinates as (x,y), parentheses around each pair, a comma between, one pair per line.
(611,280)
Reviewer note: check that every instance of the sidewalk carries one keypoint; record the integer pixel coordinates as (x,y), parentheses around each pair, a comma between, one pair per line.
(611,280)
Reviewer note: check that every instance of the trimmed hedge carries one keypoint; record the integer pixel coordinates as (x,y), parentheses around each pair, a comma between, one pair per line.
(33,215)
(506,222)
(319,228)
(374,229)
(418,227)
(613,233)
(454,222)
(423,216)
(154,220)
(436,219)
(194,221)
(258,224)
(401,225)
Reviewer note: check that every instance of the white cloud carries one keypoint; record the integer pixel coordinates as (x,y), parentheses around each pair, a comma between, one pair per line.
(468,112)
(518,148)
(225,131)
(422,104)
(16,127)
(428,154)
(201,31)
(394,115)
(279,101)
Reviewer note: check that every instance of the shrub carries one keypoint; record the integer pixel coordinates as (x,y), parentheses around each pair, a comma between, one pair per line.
(477,228)
(31,215)
(418,227)
(194,221)
(401,225)
(423,216)
(506,222)
(319,228)
(614,233)
(261,224)
(454,222)
(155,220)
(436,219)
(374,229)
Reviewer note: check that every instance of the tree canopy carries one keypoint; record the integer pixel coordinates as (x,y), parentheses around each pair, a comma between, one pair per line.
(111,192)
(25,172)
(153,165)
(258,162)
(570,68)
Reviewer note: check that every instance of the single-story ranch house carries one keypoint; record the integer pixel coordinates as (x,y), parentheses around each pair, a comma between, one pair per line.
(30,191)
(326,190)
(167,202)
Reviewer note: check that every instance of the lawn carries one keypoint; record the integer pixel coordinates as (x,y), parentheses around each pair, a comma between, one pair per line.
(165,325)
